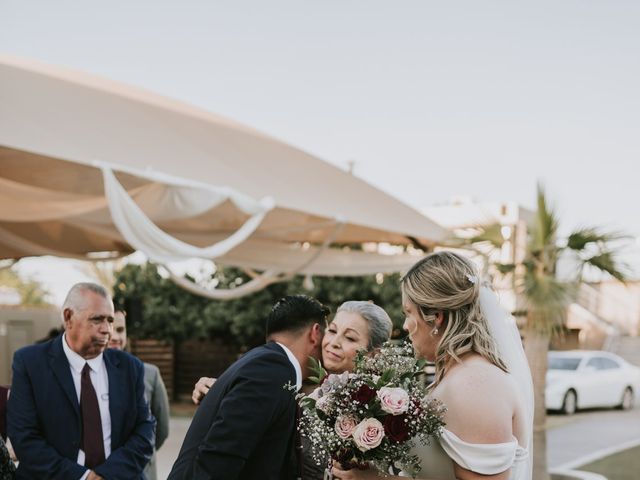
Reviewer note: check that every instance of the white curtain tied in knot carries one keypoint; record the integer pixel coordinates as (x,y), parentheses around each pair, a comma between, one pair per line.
(178,197)
(142,234)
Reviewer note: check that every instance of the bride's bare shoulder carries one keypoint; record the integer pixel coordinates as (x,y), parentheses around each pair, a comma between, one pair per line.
(475,372)
(480,400)
(477,376)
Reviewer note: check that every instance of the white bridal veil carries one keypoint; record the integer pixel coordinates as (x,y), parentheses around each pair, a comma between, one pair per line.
(504,330)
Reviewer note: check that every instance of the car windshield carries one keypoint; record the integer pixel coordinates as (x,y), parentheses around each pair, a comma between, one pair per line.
(564,363)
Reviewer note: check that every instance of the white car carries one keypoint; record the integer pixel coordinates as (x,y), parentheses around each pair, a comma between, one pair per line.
(586,379)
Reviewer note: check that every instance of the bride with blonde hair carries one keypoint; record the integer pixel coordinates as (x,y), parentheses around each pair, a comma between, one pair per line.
(482,375)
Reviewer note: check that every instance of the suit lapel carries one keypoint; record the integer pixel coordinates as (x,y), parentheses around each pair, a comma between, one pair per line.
(116,380)
(277,348)
(62,372)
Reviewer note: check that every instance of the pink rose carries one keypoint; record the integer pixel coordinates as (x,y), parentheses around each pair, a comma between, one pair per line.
(368,434)
(344,426)
(393,400)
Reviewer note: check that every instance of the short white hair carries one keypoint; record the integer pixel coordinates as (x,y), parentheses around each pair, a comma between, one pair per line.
(75,297)
(377,319)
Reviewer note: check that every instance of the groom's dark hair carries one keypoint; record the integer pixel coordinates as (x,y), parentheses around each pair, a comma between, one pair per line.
(296,312)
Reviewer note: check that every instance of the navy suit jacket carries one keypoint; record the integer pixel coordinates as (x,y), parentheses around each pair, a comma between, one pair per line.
(244,427)
(45,423)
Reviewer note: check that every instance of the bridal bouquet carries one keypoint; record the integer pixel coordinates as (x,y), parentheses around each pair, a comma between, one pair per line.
(371,417)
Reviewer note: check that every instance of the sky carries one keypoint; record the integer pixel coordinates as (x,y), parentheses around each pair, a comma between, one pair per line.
(430,100)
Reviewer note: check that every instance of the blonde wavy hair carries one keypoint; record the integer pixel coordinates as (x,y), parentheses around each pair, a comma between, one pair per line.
(448,282)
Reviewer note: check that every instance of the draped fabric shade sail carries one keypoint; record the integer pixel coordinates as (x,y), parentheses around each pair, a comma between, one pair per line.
(89,165)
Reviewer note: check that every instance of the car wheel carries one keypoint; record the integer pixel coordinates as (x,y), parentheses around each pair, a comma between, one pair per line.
(627,399)
(570,403)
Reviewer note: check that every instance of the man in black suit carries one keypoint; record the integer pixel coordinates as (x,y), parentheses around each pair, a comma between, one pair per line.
(245,426)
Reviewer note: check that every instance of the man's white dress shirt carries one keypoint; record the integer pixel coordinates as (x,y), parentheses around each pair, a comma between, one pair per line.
(296,365)
(100,382)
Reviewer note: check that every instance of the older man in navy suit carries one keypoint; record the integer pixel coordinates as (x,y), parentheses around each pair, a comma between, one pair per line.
(77,410)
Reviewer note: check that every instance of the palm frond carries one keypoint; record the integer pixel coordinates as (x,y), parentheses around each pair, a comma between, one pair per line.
(478,234)
(547,300)
(546,292)
(505,268)
(489,234)
(545,226)
(580,239)
(607,262)
(456,241)
(544,230)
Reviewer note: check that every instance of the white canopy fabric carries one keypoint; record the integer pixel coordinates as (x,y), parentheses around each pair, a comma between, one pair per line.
(89,165)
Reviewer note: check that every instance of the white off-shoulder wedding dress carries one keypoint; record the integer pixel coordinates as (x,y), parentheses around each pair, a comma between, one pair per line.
(437,459)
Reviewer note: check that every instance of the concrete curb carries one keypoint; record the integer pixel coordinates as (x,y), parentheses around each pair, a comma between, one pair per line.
(597,455)
(575,475)
(567,471)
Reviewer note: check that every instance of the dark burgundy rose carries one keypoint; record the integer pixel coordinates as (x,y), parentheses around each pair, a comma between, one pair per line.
(353,465)
(395,428)
(364,394)
(346,458)
(343,455)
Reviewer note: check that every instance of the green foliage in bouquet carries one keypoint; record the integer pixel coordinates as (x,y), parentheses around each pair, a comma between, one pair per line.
(318,373)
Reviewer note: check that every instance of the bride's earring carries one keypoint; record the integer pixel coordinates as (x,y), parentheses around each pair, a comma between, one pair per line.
(434,332)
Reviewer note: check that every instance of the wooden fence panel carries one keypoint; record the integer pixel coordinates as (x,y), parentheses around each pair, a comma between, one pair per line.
(160,354)
(201,358)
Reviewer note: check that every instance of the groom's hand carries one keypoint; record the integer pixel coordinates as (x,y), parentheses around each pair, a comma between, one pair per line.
(201,388)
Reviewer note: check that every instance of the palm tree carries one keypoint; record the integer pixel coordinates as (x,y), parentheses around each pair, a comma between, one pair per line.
(103,272)
(31,292)
(546,296)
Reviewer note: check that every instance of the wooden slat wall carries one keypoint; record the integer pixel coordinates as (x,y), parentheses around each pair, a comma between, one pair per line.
(160,354)
(201,358)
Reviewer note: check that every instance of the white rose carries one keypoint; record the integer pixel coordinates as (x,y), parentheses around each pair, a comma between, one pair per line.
(344,426)
(315,395)
(393,400)
(323,404)
(332,381)
(368,434)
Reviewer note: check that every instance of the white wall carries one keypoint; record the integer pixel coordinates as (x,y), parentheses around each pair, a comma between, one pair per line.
(20,326)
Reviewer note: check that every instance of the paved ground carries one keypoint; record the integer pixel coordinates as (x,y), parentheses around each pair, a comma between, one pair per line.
(572,442)
(169,452)
(570,439)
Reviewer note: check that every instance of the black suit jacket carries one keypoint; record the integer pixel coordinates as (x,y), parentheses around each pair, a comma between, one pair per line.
(244,428)
(45,423)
